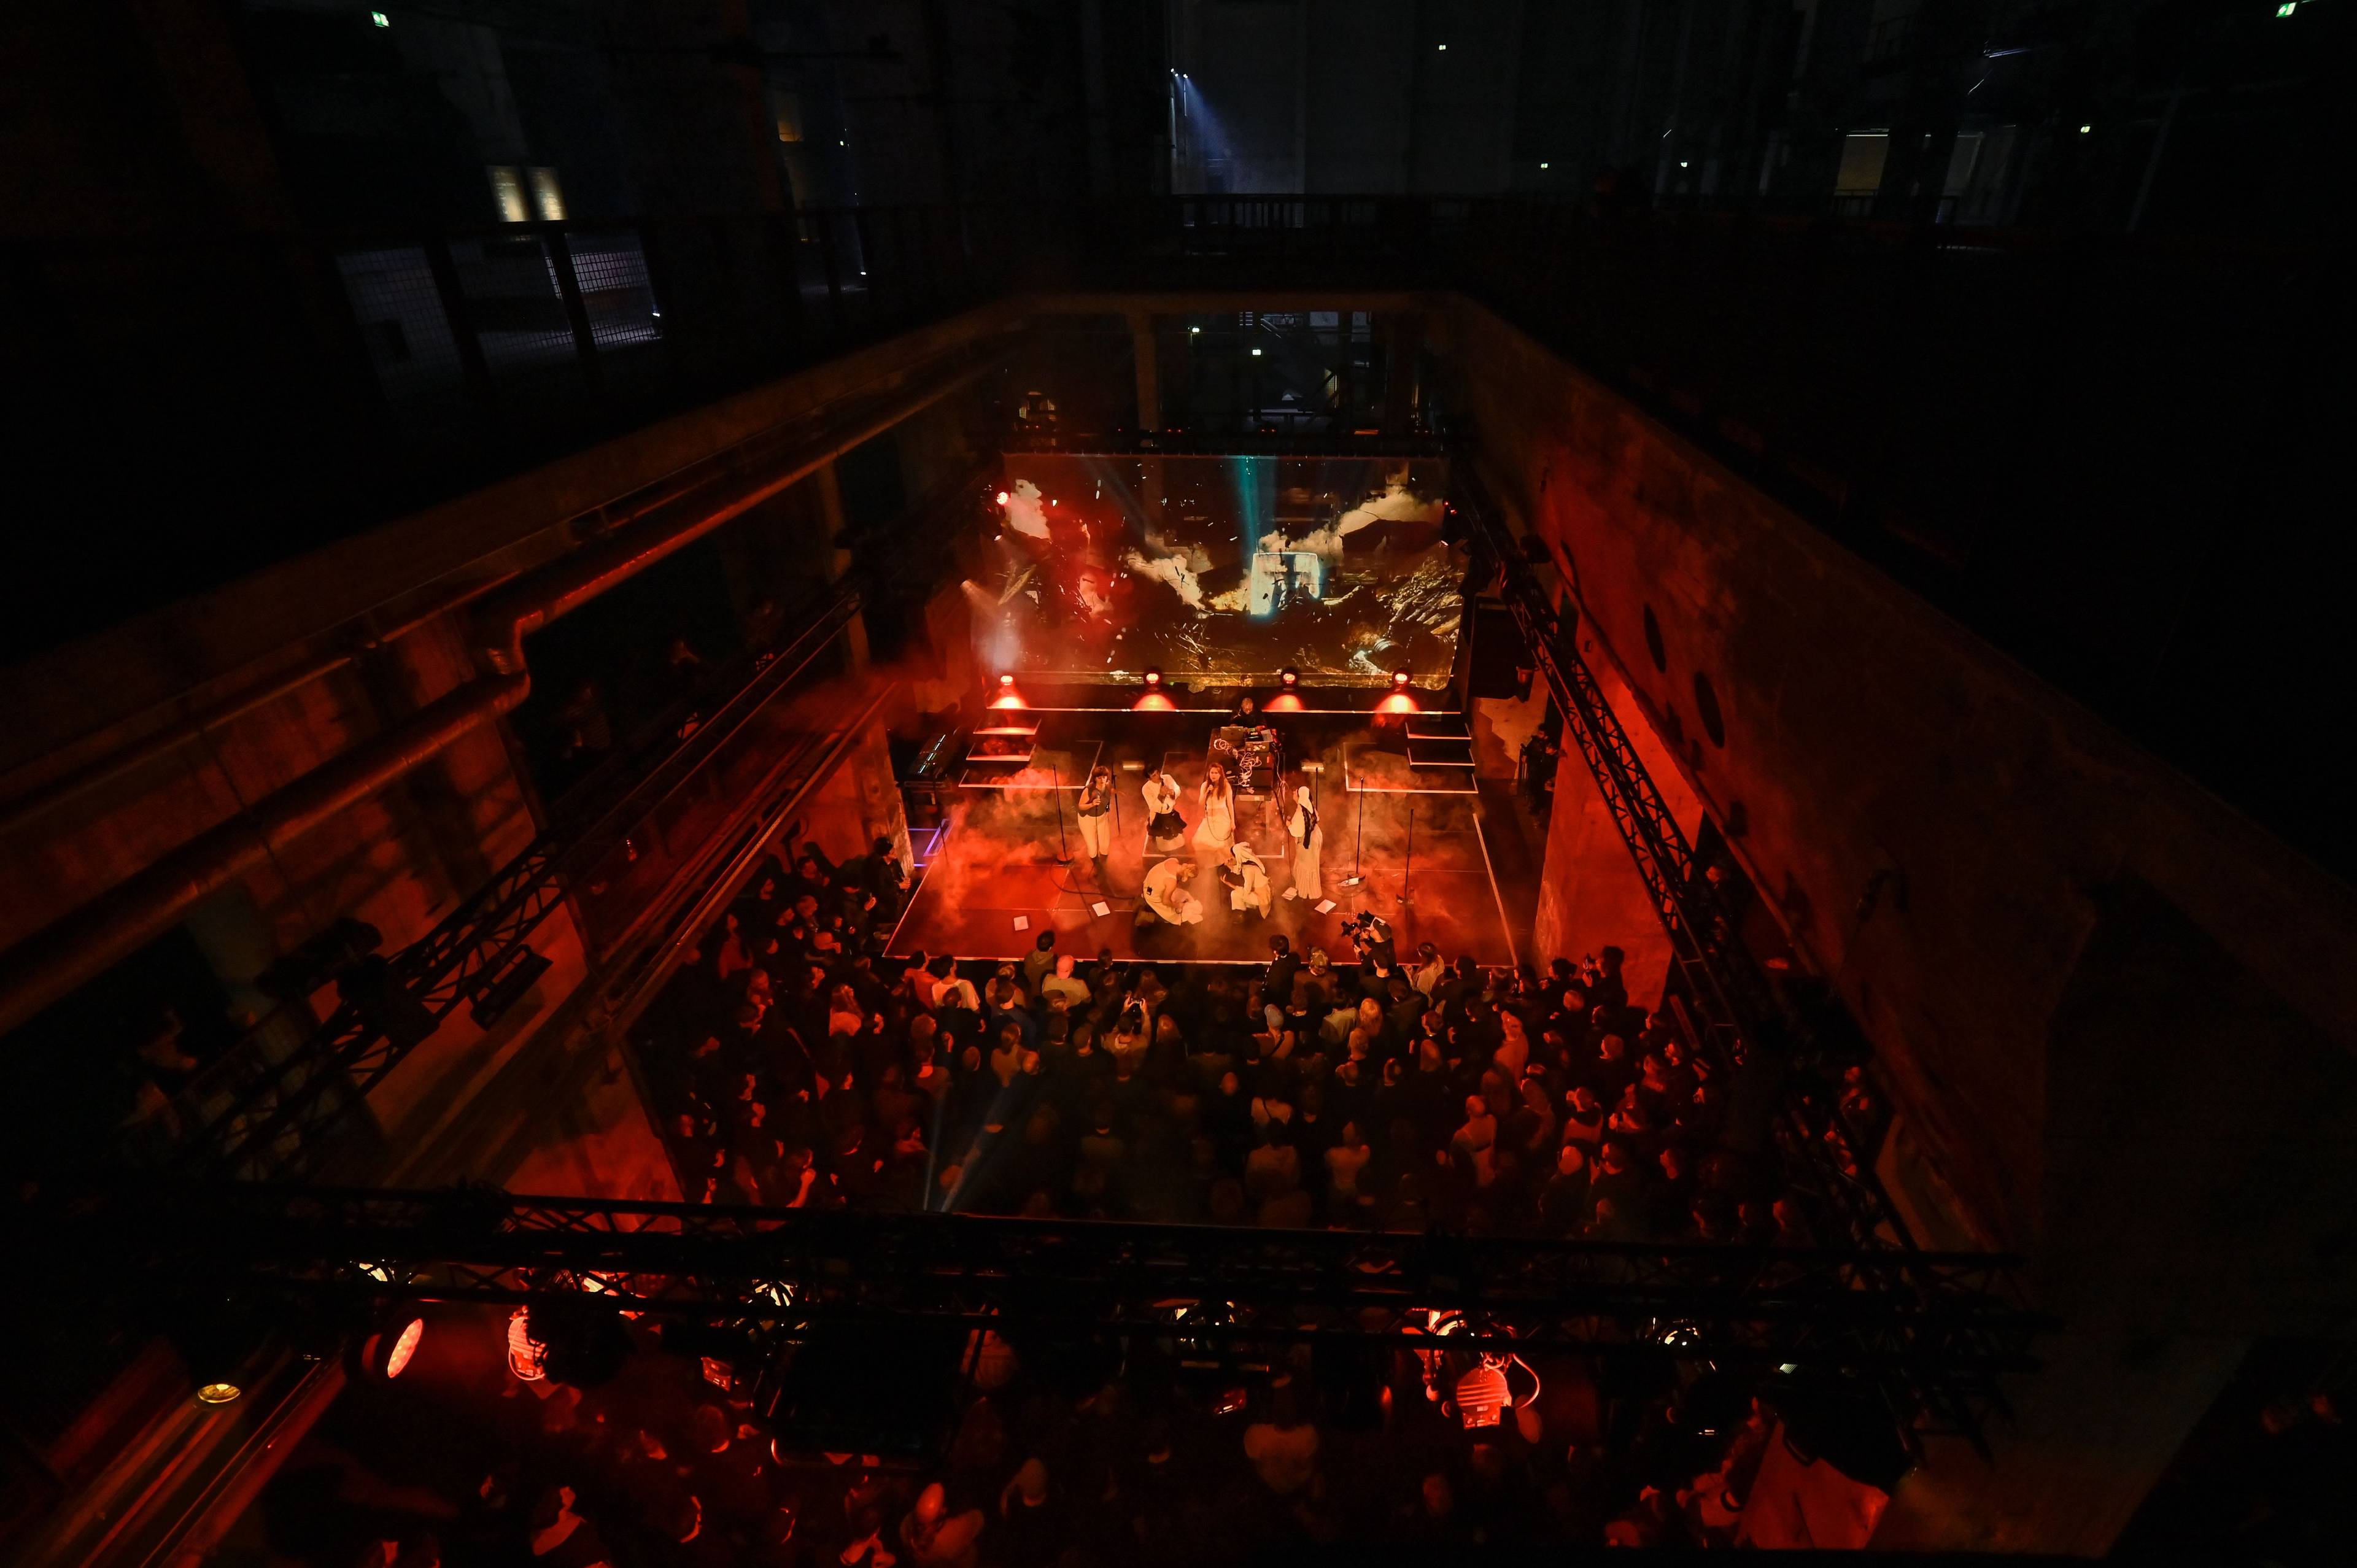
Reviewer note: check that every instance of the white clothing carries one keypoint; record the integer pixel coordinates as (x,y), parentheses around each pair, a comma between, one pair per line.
(1255,894)
(1096,836)
(1164,827)
(1308,838)
(1168,899)
(1217,831)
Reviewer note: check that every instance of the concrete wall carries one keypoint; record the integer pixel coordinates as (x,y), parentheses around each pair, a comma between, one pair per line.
(1591,895)
(403,857)
(2037,871)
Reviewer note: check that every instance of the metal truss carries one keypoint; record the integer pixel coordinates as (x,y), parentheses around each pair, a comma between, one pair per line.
(272,1120)
(1227,444)
(1934,1331)
(1735,1010)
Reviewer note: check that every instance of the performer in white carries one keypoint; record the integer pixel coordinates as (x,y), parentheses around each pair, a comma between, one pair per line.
(1096,813)
(1166,830)
(1308,838)
(1217,831)
(1166,893)
(1247,881)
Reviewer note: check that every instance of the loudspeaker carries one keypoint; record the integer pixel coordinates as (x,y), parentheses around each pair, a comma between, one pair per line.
(1502,664)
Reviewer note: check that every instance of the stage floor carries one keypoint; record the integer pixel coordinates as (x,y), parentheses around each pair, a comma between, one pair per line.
(997,861)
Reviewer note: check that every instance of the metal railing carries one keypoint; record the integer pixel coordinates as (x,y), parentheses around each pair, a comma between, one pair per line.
(1915,1323)
(262,1112)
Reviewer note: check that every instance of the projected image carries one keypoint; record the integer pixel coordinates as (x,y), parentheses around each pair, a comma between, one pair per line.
(1105,567)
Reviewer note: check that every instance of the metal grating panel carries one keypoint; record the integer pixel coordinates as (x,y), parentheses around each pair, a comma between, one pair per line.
(611,269)
(514,299)
(401,318)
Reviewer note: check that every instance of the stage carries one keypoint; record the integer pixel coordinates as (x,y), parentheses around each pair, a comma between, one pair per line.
(992,881)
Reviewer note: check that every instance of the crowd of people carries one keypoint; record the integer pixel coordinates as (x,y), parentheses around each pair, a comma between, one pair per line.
(1382,1090)
(1053,1454)
(796,1067)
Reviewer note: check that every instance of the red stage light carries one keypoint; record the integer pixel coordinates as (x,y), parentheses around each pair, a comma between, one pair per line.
(1004,498)
(1284,702)
(1154,703)
(1154,677)
(1482,1396)
(1007,680)
(527,1357)
(1399,677)
(390,1354)
(1290,677)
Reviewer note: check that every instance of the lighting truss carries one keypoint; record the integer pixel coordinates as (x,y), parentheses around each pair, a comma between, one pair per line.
(1935,1330)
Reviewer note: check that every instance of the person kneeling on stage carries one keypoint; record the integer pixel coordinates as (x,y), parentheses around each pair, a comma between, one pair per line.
(1166,894)
(1246,880)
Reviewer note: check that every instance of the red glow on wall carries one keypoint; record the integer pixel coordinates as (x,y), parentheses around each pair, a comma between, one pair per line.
(1284,702)
(1398,703)
(1154,703)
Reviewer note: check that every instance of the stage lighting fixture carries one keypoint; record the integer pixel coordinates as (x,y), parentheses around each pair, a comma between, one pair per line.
(1399,677)
(1004,498)
(1291,678)
(1004,681)
(1482,1396)
(387,1354)
(527,1357)
(1154,677)
(217,1336)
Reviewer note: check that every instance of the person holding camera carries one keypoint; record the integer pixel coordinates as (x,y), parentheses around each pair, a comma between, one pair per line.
(1371,934)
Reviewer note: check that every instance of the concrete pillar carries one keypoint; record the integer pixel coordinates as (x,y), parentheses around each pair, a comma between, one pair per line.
(827,492)
(1403,340)
(860,801)
(1144,354)
(2091,1432)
